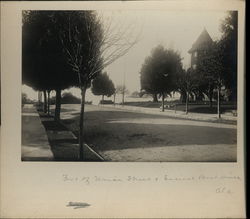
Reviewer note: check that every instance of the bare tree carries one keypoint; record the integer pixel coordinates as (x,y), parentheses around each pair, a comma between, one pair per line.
(90,47)
(121,89)
(187,81)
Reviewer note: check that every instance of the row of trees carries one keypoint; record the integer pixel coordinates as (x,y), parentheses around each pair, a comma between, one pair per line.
(162,72)
(61,49)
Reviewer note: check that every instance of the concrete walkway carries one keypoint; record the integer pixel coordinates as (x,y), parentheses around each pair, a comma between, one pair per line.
(35,145)
(172,113)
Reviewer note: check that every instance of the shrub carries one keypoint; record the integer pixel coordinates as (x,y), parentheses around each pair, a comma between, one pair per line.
(106,102)
(69,98)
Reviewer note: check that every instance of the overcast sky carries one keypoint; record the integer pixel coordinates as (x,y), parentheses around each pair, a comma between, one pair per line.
(173,29)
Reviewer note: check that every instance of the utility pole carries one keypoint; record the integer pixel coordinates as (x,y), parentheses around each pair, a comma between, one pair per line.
(218,98)
(123,86)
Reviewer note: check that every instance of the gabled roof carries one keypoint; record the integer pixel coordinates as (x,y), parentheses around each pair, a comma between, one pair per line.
(203,40)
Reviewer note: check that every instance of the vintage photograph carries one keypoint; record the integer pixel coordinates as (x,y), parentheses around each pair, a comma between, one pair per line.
(123,109)
(129,86)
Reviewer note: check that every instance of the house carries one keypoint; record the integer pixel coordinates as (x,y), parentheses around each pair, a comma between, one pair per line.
(199,47)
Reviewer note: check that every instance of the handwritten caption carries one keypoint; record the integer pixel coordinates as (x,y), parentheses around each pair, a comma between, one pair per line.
(87,180)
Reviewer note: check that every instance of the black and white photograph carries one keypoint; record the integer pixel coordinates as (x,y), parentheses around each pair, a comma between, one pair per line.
(129,85)
(123,109)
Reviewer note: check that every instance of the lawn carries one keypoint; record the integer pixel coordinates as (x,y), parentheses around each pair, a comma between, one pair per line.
(203,107)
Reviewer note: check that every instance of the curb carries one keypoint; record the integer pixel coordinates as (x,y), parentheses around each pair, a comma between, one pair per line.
(90,154)
(97,155)
(94,156)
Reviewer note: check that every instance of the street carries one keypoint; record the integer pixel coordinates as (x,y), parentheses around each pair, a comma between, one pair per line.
(130,136)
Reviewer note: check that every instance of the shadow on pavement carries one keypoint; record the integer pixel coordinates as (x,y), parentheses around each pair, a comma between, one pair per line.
(104,134)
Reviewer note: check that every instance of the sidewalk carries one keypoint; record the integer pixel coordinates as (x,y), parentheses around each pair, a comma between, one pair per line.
(177,114)
(35,145)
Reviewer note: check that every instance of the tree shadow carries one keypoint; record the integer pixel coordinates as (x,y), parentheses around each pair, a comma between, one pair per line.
(53,126)
(63,110)
(103,134)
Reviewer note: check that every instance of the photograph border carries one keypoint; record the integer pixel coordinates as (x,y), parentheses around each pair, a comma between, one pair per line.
(39,189)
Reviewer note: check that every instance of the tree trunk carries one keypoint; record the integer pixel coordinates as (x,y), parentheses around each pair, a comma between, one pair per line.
(114,99)
(48,104)
(218,102)
(187,96)
(45,102)
(210,90)
(155,99)
(81,125)
(58,105)
(123,94)
(38,99)
(210,101)
(163,107)
(102,97)
(183,97)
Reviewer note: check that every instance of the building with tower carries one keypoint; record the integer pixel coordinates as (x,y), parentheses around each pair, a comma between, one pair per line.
(199,47)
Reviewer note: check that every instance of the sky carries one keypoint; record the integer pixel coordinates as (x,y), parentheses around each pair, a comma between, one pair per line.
(177,30)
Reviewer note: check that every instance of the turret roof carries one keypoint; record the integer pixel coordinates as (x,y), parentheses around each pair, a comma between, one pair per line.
(203,40)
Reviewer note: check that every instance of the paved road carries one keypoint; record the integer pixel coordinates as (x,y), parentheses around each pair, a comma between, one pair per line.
(119,135)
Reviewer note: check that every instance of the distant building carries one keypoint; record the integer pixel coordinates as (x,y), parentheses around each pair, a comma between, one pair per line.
(200,46)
